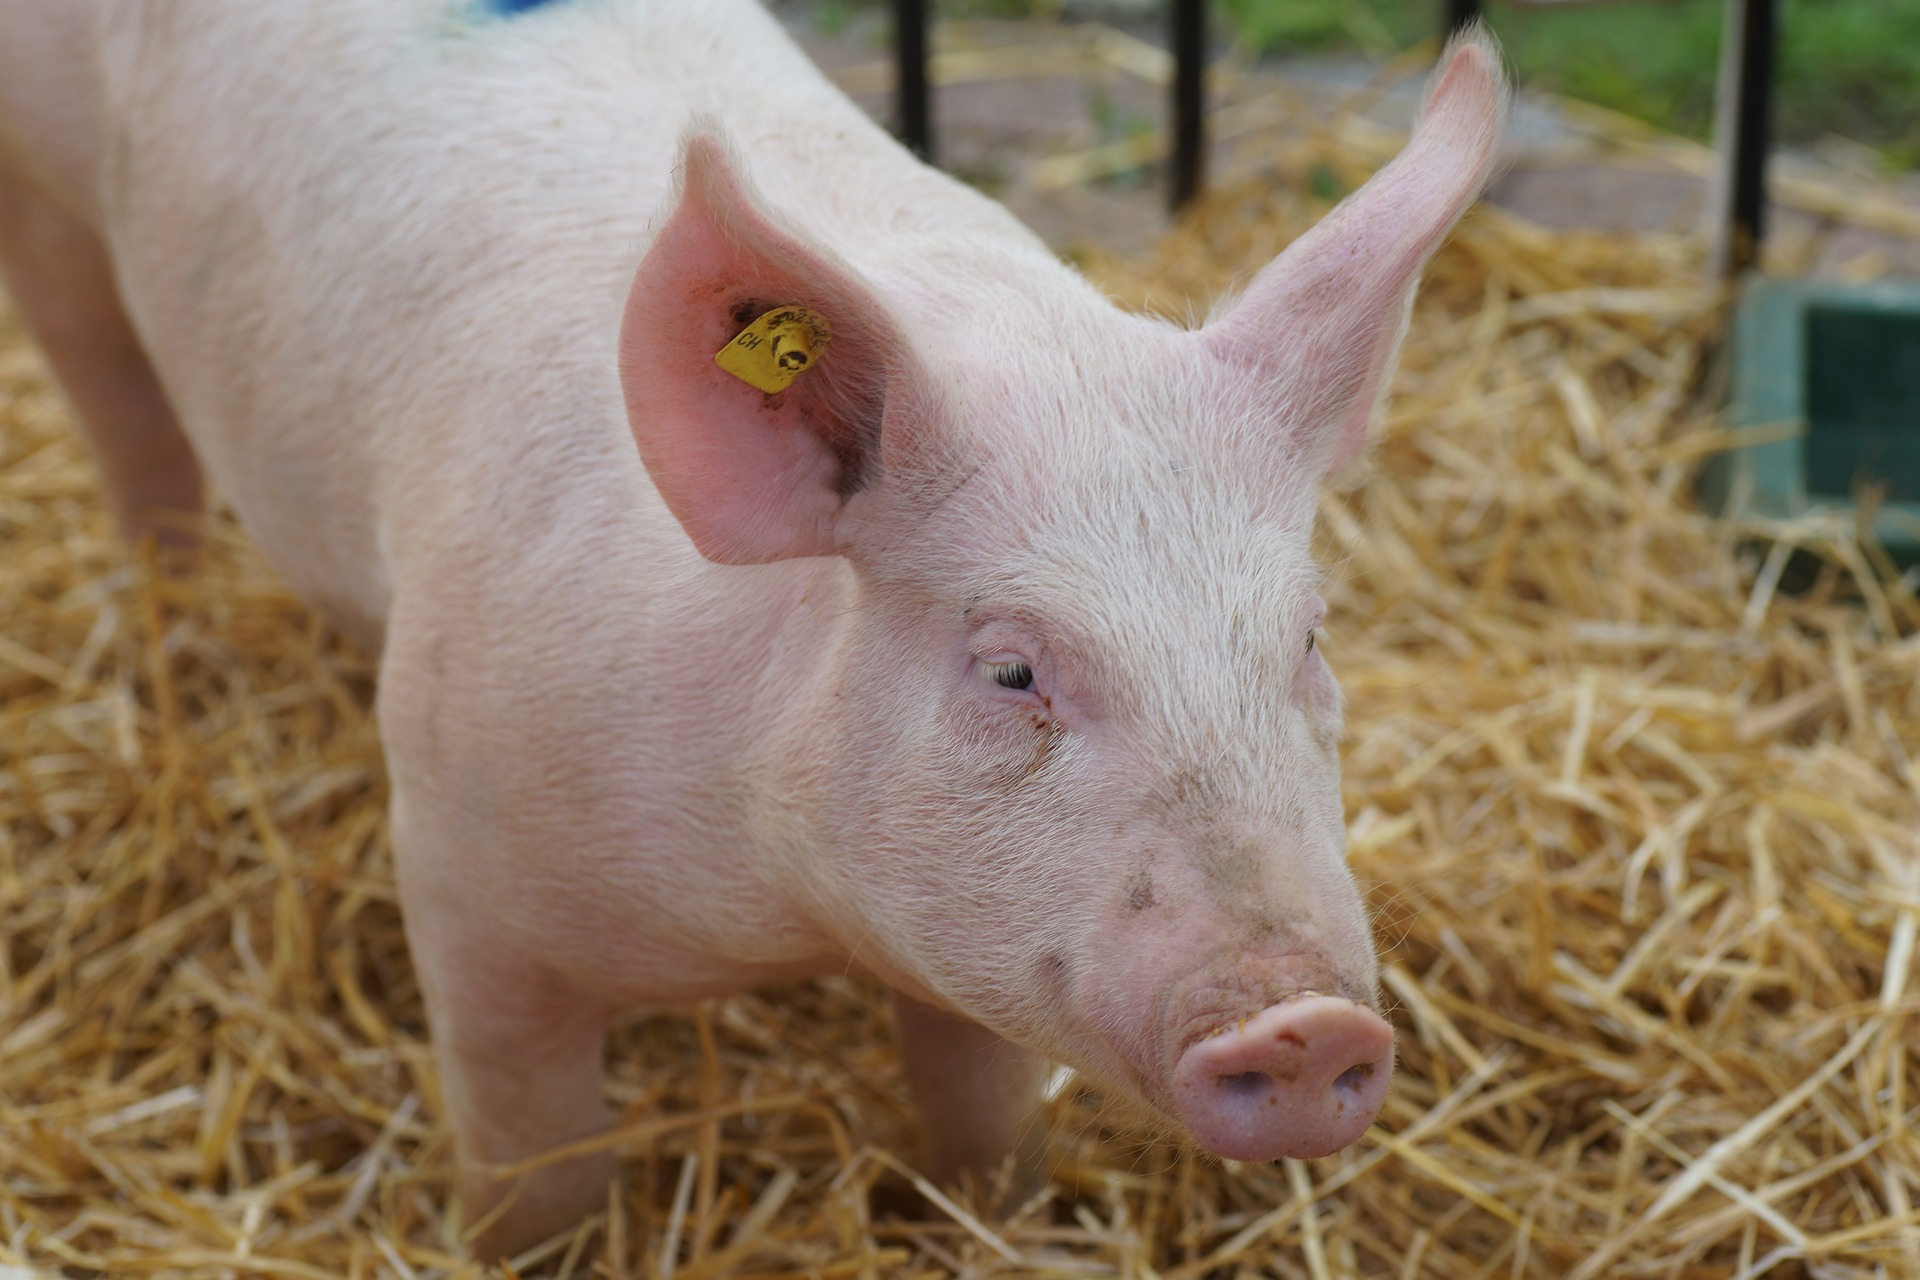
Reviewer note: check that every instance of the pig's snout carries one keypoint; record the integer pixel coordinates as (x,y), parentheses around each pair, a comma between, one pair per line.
(1302,1078)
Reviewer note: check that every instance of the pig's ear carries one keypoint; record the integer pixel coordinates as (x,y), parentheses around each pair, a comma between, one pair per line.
(752,476)
(1321,325)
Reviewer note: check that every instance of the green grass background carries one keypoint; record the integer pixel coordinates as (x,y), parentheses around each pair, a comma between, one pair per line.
(1846,67)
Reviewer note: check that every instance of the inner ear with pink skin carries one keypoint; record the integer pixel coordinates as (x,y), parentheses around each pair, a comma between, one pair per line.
(753,476)
(1319,327)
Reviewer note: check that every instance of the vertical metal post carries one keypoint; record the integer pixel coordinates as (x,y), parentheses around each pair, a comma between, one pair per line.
(1746,126)
(1189,102)
(911,95)
(1460,13)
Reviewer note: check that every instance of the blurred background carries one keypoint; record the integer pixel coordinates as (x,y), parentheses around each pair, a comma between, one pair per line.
(1615,121)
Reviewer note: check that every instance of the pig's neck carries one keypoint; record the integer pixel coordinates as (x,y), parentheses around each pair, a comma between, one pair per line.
(958,296)
(798,783)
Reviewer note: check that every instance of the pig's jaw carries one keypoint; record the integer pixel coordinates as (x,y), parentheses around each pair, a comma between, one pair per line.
(1257,1053)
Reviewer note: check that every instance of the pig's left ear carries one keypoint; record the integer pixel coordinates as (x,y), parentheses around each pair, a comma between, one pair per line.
(754,475)
(1320,326)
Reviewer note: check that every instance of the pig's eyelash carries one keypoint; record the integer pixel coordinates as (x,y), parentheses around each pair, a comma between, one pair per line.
(1010,675)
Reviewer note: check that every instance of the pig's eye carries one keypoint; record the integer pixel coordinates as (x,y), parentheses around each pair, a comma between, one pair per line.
(1011,675)
(1310,640)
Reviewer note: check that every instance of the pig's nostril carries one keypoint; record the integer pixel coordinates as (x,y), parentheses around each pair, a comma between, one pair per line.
(1246,1082)
(1354,1078)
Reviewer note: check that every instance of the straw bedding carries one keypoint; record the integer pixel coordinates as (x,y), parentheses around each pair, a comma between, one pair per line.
(1639,828)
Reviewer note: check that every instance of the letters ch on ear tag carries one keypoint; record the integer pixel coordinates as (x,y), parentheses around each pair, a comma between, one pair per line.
(777,348)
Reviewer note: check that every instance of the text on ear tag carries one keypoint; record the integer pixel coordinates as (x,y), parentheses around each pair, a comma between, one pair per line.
(775,349)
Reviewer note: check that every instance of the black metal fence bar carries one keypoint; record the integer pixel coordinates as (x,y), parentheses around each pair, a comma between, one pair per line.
(1189,102)
(1752,109)
(912,97)
(1460,13)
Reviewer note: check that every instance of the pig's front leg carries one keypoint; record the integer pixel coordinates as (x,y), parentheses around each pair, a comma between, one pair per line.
(63,282)
(979,1098)
(519,1051)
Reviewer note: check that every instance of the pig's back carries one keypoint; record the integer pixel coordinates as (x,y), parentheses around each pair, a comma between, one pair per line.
(380,250)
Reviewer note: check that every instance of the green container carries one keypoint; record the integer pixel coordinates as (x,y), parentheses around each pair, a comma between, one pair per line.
(1843,363)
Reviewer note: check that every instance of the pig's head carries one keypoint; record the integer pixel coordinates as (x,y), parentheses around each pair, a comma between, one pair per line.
(1076,761)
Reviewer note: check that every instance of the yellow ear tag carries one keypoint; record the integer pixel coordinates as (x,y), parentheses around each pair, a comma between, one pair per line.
(777,348)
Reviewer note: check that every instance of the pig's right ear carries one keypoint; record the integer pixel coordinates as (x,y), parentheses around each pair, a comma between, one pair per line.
(1319,328)
(753,476)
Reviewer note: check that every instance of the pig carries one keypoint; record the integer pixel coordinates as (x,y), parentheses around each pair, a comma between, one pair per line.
(979,658)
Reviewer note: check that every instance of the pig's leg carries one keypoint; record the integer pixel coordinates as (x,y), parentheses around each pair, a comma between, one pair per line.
(978,1095)
(62,282)
(519,1051)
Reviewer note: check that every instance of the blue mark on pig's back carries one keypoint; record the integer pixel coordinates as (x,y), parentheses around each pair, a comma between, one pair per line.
(510,7)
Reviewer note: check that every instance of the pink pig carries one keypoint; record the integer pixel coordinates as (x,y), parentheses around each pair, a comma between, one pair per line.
(981,659)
